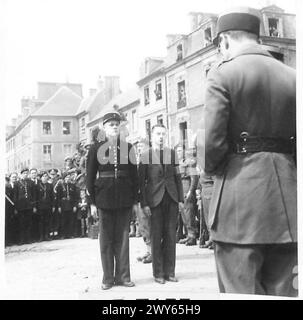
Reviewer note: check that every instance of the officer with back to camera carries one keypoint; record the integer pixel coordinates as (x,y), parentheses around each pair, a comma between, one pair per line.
(250,121)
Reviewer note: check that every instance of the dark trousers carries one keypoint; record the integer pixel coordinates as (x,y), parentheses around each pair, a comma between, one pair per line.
(25,225)
(55,223)
(188,218)
(206,194)
(114,244)
(257,269)
(163,237)
(44,223)
(68,223)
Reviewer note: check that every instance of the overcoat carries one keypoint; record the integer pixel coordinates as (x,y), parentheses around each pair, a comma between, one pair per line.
(254,197)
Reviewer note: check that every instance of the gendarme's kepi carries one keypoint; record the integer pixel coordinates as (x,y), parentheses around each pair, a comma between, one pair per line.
(111,116)
(240,18)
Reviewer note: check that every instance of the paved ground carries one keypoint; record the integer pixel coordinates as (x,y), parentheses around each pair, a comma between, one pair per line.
(71,269)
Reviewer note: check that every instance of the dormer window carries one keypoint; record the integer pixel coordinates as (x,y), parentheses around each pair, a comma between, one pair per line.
(146,66)
(179,52)
(207,37)
(273,26)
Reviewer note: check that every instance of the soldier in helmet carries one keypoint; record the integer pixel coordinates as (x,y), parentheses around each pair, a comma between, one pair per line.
(250,122)
(112,184)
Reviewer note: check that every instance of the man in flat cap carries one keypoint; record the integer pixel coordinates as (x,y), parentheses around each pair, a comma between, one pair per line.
(250,122)
(114,193)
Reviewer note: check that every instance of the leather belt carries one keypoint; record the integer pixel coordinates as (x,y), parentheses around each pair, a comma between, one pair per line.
(113,174)
(253,144)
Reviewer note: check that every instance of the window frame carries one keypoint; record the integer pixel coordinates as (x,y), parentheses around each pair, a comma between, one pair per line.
(146,88)
(157,83)
(51,126)
(70,128)
(43,154)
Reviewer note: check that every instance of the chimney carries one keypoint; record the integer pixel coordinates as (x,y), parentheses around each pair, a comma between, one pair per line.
(170,39)
(112,87)
(19,119)
(193,20)
(14,122)
(92,91)
(100,84)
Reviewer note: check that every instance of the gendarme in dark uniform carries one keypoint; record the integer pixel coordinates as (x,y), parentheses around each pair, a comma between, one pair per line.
(250,119)
(26,202)
(112,185)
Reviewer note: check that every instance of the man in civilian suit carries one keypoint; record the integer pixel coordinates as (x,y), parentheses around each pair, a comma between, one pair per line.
(161,192)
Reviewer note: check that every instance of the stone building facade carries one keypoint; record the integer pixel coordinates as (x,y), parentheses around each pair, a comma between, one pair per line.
(189,57)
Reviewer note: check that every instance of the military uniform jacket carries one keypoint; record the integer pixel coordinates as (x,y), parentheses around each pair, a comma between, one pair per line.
(46,199)
(189,176)
(110,192)
(10,192)
(156,178)
(67,196)
(25,195)
(254,198)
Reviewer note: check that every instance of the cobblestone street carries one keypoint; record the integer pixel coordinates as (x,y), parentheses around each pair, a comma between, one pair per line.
(71,269)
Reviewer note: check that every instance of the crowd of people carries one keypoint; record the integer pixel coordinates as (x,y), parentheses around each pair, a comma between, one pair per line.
(47,204)
(43,205)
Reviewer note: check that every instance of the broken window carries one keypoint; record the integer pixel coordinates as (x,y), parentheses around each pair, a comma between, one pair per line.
(179,52)
(146,95)
(273,27)
(207,37)
(158,90)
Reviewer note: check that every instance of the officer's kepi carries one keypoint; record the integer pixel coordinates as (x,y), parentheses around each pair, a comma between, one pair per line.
(242,19)
(111,116)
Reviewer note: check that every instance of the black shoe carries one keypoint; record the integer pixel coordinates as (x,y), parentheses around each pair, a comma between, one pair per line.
(147,259)
(106,286)
(159,280)
(171,279)
(191,242)
(183,241)
(143,257)
(128,284)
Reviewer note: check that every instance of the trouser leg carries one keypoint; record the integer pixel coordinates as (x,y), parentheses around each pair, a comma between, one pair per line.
(144,223)
(157,230)
(170,214)
(279,271)
(106,240)
(40,220)
(27,225)
(239,268)
(189,219)
(121,245)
